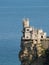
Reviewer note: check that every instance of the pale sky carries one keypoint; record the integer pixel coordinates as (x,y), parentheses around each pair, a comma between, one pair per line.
(13,11)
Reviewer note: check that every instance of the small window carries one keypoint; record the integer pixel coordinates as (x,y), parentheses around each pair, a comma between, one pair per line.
(35,40)
(41,36)
(27,37)
(27,29)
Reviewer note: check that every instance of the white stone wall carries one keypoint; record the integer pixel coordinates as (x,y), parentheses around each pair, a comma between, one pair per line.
(27,29)
(32,33)
(41,34)
(27,35)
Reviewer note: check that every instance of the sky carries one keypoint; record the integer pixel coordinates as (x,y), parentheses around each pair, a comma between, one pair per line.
(13,11)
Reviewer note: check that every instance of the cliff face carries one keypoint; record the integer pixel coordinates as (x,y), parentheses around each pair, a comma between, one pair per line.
(31,54)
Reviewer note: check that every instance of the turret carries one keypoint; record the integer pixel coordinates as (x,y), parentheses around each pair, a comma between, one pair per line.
(25,22)
(26,29)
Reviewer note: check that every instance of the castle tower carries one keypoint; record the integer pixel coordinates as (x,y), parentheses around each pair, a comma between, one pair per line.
(26,29)
(25,23)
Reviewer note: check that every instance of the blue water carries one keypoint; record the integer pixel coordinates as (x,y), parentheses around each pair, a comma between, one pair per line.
(9,50)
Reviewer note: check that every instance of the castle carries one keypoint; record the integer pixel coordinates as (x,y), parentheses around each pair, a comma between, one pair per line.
(33,43)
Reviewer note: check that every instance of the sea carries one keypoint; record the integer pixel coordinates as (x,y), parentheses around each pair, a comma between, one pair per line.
(9,50)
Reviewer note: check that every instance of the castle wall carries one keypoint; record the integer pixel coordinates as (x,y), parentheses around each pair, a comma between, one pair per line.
(45,43)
